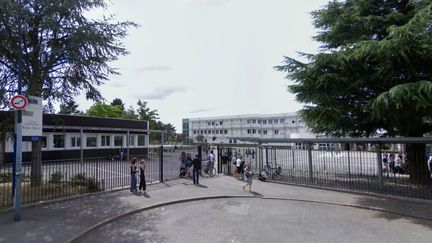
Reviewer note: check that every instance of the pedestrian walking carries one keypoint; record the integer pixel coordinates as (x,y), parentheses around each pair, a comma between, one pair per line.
(133,171)
(196,169)
(249,176)
(142,184)
(238,167)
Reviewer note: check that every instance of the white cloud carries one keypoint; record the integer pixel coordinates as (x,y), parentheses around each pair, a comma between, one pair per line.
(161,93)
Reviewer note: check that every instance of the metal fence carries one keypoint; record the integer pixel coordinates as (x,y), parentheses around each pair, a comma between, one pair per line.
(378,166)
(65,178)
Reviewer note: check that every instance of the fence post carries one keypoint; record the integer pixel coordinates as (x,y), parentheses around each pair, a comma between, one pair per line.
(349,169)
(81,146)
(380,169)
(219,160)
(309,148)
(293,158)
(161,164)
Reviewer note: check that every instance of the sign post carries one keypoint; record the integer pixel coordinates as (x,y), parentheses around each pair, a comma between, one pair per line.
(18,102)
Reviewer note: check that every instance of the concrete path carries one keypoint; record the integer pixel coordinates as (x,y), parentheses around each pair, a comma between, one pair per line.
(309,210)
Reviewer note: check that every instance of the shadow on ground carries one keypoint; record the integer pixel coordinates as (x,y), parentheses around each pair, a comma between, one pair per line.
(394,209)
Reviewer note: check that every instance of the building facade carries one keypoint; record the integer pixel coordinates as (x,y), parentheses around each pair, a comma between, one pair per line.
(230,129)
(70,137)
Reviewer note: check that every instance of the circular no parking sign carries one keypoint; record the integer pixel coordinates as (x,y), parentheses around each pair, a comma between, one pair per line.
(19,102)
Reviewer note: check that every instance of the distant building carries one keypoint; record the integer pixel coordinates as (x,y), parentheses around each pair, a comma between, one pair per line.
(69,136)
(230,129)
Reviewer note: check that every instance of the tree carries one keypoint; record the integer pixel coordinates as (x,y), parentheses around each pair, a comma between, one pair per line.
(105,110)
(118,102)
(372,73)
(69,108)
(58,52)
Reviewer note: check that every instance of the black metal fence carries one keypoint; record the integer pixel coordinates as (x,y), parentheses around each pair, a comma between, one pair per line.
(380,167)
(65,178)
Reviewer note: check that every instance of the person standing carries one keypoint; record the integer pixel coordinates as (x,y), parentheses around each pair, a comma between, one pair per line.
(133,171)
(196,169)
(249,176)
(238,167)
(142,184)
(211,160)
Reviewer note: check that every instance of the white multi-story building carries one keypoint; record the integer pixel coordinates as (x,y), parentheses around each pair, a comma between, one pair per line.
(230,129)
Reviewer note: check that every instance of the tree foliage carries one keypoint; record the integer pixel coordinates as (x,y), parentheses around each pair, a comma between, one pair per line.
(116,110)
(63,52)
(69,108)
(373,72)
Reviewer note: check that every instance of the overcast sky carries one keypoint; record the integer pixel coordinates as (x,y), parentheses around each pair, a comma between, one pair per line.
(200,58)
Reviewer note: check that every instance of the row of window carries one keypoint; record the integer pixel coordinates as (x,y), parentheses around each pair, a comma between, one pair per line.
(210,132)
(251,121)
(58,141)
(264,132)
(212,123)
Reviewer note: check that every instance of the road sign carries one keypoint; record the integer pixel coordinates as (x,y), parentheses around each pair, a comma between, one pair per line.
(19,102)
(32,117)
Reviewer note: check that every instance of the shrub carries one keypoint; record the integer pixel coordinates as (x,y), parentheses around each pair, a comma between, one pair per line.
(79,179)
(92,184)
(5,177)
(56,177)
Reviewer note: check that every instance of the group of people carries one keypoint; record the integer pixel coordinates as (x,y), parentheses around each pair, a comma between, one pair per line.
(394,164)
(133,171)
(190,166)
(243,170)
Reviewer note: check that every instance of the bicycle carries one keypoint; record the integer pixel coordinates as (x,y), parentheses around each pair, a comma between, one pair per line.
(209,171)
(275,172)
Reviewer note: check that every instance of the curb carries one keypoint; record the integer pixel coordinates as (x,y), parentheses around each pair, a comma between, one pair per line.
(350,206)
(360,193)
(80,236)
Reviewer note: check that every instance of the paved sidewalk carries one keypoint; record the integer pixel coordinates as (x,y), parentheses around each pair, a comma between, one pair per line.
(62,221)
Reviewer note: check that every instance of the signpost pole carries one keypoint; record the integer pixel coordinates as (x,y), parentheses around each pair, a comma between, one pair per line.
(18,167)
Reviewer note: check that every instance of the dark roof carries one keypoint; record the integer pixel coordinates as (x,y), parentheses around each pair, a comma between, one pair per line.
(83,121)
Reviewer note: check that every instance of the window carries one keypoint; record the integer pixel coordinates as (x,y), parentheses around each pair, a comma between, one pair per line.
(248,121)
(131,140)
(205,131)
(221,131)
(264,121)
(213,123)
(276,121)
(202,132)
(282,120)
(217,131)
(253,121)
(276,131)
(264,132)
(248,131)
(270,121)
(253,131)
(226,131)
(208,123)
(44,142)
(75,142)
(59,141)
(292,121)
(259,121)
(221,123)
(141,140)
(194,132)
(118,141)
(91,141)
(105,141)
